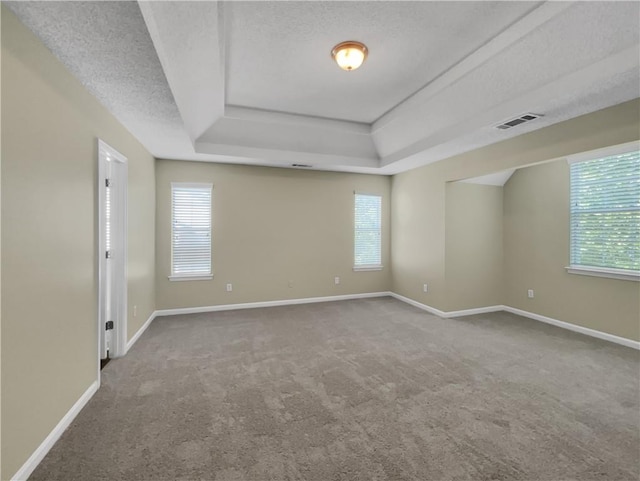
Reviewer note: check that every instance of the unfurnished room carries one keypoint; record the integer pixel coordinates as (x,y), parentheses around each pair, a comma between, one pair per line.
(320,240)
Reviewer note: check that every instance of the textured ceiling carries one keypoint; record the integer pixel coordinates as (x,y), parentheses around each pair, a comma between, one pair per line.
(279,52)
(107,47)
(253,82)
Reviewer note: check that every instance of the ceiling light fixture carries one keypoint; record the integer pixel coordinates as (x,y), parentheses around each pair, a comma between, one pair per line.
(349,55)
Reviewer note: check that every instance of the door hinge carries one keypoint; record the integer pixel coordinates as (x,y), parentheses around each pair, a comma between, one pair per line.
(109,326)
(107,254)
(107,182)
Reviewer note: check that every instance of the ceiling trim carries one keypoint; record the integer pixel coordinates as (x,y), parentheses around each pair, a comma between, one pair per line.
(327,142)
(559,59)
(245,118)
(500,42)
(283,138)
(285,157)
(199,98)
(270,116)
(624,61)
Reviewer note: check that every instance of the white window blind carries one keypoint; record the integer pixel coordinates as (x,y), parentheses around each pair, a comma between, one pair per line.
(190,229)
(605,212)
(368,238)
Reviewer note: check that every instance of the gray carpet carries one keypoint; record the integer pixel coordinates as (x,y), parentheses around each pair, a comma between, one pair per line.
(357,390)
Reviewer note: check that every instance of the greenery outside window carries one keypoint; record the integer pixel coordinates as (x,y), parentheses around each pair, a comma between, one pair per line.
(605,213)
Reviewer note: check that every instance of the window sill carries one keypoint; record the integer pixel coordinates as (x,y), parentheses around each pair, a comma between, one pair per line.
(367,268)
(191,278)
(603,272)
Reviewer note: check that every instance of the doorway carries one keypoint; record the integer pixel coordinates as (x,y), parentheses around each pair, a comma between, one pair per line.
(112,253)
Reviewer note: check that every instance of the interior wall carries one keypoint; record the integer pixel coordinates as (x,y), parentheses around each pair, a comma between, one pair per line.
(536,237)
(0,270)
(473,247)
(50,126)
(271,227)
(419,196)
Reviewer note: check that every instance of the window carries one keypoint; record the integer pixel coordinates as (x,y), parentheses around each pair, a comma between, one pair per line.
(190,231)
(368,239)
(605,214)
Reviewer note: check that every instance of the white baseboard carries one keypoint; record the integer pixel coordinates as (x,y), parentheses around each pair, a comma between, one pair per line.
(537,317)
(476,310)
(137,335)
(447,314)
(255,305)
(38,455)
(419,305)
(247,305)
(432,310)
(573,327)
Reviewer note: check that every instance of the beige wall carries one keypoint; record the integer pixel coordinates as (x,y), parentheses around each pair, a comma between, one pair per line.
(418,197)
(271,226)
(473,247)
(0,271)
(50,126)
(536,237)
(418,236)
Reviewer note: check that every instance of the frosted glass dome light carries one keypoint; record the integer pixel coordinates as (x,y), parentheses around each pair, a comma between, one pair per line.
(349,55)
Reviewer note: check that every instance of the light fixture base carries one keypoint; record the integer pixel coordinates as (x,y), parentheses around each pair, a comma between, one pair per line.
(350,55)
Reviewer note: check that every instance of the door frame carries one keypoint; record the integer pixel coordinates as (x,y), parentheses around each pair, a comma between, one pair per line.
(118,338)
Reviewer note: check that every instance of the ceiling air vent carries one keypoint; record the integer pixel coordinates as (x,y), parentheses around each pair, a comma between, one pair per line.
(305,166)
(528,117)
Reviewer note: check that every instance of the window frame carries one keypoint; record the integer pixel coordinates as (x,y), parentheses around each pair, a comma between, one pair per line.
(594,271)
(366,267)
(196,276)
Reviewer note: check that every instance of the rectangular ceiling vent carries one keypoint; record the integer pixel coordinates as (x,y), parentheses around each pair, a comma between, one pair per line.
(304,166)
(528,117)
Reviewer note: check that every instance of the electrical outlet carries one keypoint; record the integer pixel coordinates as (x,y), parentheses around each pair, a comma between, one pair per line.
(135,311)
(425,288)
(290,283)
(336,280)
(530,293)
(229,287)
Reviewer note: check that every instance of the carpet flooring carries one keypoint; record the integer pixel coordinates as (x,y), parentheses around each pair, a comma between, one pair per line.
(370,389)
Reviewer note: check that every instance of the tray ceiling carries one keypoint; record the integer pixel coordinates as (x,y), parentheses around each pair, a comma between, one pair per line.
(253,82)
(278,52)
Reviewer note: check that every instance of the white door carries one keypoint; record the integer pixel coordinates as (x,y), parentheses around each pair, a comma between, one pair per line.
(112,253)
